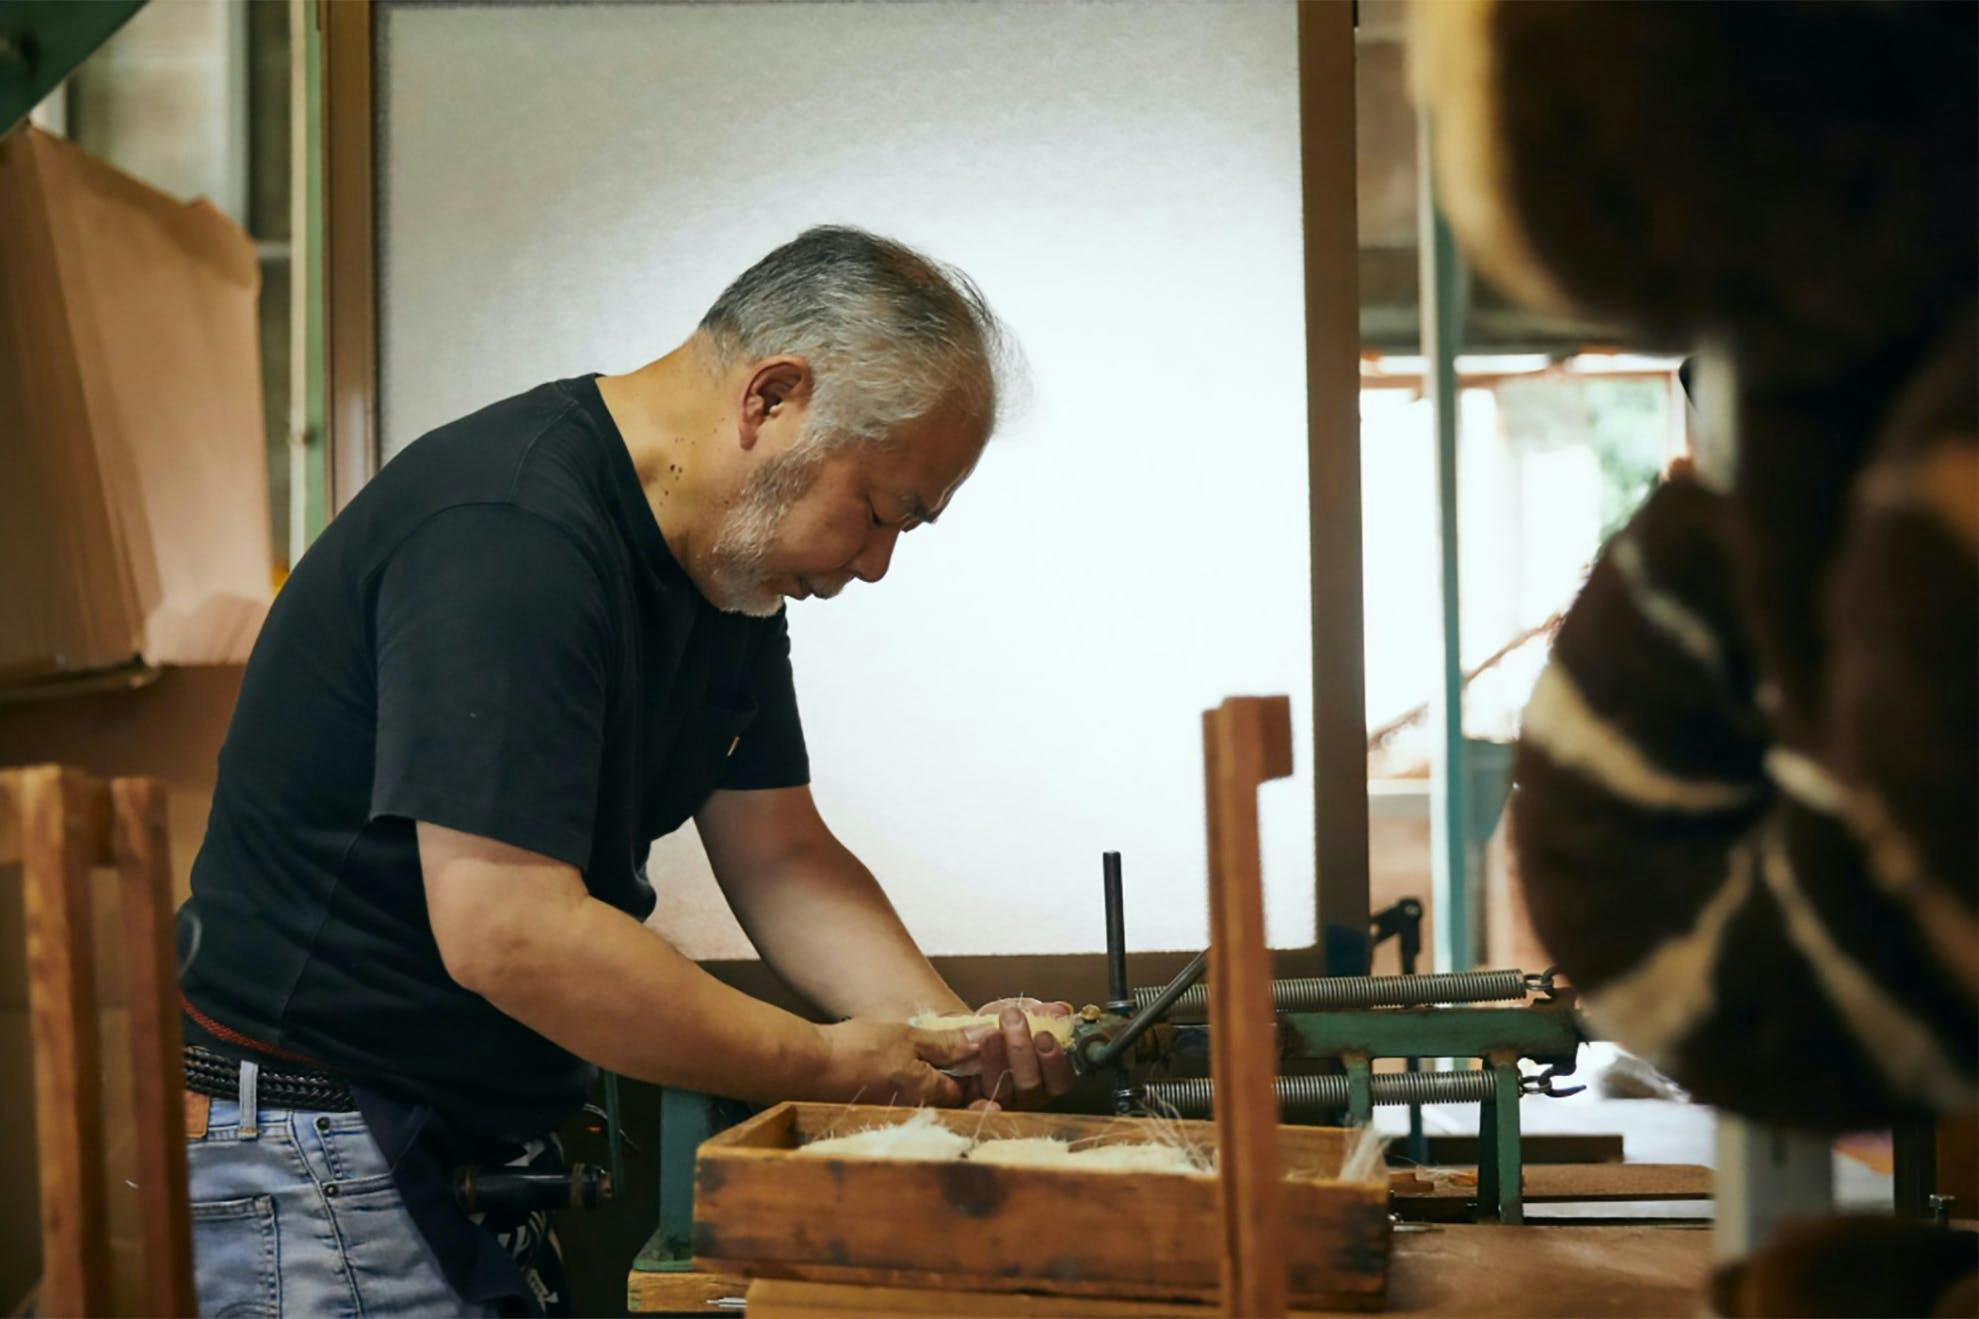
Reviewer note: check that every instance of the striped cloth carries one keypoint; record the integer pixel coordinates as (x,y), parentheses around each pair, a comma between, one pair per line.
(1747,804)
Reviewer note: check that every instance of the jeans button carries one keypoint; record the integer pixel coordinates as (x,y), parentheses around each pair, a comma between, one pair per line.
(331,1190)
(322,1124)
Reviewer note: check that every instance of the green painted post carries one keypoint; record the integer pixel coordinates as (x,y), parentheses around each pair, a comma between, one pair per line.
(1502,1137)
(1360,1095)
(1442,317)
(686,1119)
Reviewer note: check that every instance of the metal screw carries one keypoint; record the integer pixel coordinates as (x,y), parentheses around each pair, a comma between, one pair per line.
(322,1124)
(331,1190)
(1941,1209)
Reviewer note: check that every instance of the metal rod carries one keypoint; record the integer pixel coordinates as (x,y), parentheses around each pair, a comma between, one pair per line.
(1116,972)
(1442,298)
(1151,1011)
(1116,934)
(1195,1097)
(1323,992)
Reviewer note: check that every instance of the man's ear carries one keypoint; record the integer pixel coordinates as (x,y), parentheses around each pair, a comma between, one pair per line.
(776,384)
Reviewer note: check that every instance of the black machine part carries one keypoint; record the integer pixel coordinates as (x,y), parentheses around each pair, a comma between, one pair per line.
(515,1191)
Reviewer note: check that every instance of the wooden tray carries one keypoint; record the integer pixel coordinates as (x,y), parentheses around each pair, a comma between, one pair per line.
(762,1212)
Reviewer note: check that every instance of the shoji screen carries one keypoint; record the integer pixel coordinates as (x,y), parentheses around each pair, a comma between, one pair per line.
(565,188)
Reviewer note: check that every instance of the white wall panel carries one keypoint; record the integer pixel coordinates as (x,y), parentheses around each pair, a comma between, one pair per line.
(567,187)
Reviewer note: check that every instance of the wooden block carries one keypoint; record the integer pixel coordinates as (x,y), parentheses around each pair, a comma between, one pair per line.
(762,1212)
(1246,741)
(682,1292)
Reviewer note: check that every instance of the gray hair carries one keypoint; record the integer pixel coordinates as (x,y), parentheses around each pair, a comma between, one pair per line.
(889,333)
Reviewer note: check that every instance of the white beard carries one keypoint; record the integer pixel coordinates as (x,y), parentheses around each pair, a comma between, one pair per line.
(736,581)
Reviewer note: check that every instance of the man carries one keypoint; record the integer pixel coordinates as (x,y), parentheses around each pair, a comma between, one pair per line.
(543,636)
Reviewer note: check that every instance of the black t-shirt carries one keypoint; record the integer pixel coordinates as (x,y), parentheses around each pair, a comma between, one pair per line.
(492,637)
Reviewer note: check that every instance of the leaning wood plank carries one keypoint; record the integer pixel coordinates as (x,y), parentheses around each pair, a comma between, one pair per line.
(61,974)
(1247,740)
(144,892)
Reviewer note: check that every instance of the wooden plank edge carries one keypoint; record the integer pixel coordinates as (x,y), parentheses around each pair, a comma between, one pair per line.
(1374,1297)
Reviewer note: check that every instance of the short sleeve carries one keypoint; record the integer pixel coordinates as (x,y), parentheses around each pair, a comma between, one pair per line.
(771,753)
(492,642)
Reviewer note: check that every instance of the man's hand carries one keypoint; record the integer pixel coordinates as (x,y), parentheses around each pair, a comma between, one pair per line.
(888,1062)
(1019,1070)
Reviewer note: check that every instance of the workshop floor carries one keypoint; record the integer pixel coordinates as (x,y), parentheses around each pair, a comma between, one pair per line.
(1652,1131)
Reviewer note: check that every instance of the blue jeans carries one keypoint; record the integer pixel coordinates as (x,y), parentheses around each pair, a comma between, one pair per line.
(295,1213)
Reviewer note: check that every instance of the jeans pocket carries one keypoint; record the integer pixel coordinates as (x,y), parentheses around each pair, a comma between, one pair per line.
(354,1160)
(236,1250)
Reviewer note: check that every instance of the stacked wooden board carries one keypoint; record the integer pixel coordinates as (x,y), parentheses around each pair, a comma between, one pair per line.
(133,472)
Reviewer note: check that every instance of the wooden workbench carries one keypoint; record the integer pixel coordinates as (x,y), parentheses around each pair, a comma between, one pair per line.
(1461,1269)
(1456,1268)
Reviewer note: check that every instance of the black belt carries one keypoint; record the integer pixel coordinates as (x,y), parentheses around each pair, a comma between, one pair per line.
(208,1073)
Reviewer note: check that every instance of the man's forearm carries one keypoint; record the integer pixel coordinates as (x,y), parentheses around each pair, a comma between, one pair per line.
(823,923)
(597,982)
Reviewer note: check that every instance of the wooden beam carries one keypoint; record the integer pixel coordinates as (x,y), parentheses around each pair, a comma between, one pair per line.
(351,442)
(1333,447)
(62,1016)
(1246,740)
(151,980)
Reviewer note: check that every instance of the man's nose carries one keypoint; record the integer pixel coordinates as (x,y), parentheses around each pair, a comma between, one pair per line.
(873,561)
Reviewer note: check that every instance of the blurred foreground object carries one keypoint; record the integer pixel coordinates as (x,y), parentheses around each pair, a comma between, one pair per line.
(1746,780)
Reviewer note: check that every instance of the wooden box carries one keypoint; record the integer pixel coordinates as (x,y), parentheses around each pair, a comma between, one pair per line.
(763,1212)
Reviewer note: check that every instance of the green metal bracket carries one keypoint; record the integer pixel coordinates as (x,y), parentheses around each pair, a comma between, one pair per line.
(1500,1165)
(42,42)
(1545,1033)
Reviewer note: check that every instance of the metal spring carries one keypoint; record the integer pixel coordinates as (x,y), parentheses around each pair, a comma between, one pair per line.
(1323,992)
(1193,1098)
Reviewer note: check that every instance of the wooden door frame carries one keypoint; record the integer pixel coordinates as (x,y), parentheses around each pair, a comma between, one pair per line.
(1332,315)
(350,249)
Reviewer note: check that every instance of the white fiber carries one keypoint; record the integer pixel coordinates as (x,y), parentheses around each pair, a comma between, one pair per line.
(920,1137)
(1364,1161)
(1022,1151)
(1137,1157)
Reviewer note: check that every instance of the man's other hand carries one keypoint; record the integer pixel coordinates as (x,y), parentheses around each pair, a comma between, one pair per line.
(888,1062)
(1020,1070)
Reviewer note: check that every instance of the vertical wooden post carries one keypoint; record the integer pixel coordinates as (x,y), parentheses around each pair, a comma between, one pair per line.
(56,854)
(1247,740)
(144,882)
(351,443)
(1333,448)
